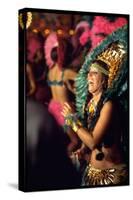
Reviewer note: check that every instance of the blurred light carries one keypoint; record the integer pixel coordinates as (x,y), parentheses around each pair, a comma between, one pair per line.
(59,32)
(35,31)
(46,31)
(71,32)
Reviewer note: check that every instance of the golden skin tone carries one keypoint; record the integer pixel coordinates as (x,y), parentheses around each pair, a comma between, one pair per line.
(59,93)
(31,78)
(108,120)
(95,82)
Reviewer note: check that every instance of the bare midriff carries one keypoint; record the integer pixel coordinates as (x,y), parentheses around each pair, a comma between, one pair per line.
(111,158)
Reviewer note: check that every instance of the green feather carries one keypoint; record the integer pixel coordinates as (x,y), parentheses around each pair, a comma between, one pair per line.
(121,35)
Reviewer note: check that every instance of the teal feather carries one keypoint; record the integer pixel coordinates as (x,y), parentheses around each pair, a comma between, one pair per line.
(119,84)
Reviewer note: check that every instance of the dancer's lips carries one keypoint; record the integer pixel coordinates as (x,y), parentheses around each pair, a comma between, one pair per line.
(90,82)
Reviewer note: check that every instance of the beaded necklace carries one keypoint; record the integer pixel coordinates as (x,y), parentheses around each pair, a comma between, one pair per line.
(91,108)
(91,112)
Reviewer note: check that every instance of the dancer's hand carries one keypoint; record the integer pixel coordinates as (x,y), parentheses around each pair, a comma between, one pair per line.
(67,110)
(82,153)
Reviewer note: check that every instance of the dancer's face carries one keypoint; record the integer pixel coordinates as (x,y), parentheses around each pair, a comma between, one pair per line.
(95,80)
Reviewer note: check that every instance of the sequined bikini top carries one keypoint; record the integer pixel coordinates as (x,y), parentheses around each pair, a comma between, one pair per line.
(56,82)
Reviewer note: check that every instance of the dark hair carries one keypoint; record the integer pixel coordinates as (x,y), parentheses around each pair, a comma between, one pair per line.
(95,118)
(54,54)
(65,50)
(80,32)
(102,64)
(62,53)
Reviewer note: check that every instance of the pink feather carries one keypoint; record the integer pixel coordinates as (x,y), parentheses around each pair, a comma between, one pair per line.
(50,43)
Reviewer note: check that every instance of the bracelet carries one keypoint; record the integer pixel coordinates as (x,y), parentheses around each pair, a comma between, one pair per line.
(76,126)
(73,122)
(69,120)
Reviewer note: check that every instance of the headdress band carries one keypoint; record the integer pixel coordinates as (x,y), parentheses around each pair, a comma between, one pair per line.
(101,69)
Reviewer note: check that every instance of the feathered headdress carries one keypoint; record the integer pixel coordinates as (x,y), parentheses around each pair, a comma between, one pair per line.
(113,51)
(50,43)
(103,27)
(86,32)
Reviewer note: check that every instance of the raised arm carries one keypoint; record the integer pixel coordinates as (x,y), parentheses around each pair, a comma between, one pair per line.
(92,139)
(70,75)
(31,78)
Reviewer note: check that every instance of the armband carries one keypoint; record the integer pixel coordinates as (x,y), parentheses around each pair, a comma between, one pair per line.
(73,122)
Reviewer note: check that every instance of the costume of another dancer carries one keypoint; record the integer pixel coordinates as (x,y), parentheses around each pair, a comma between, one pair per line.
(81,44)
(97,121)
(99,29)
(89,34)
(56,69)
(57,56)
(55,106)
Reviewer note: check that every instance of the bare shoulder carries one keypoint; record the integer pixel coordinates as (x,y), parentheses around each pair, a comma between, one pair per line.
(109,103)
(108,107)
(69,73)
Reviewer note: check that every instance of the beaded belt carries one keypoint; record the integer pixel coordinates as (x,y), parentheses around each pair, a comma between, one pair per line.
(111,176)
